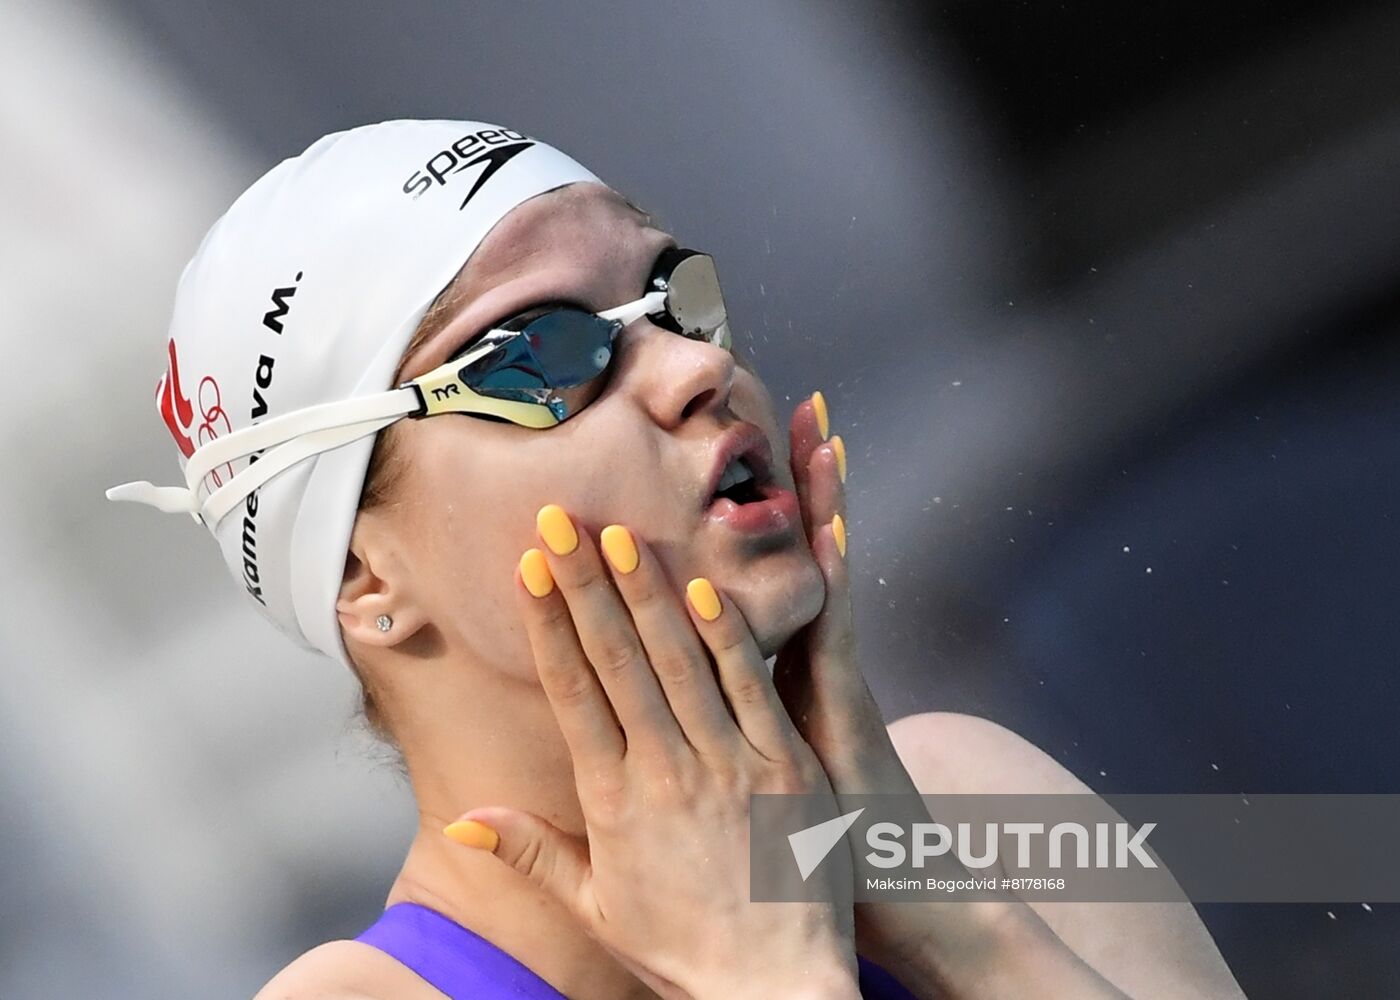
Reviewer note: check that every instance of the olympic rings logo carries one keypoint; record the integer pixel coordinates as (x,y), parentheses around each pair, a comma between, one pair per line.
(213,416)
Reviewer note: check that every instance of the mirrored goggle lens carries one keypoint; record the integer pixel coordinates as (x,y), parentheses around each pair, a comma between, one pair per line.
(694,302)
(558,359)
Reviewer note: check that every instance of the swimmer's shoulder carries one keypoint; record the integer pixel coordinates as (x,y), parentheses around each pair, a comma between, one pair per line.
(347,970)
(949,753)
(1146,949)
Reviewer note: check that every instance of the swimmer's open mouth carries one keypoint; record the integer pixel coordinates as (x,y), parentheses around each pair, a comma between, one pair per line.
(738,483)
(742,472)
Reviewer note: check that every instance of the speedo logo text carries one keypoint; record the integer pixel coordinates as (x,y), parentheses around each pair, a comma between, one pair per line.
(488,150)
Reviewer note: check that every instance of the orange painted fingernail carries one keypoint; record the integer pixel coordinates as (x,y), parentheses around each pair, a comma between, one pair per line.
(703,598)
(472,834)
(839,446)
(819,408)
(534,570)
(556,529)
(620,549)
(838,530)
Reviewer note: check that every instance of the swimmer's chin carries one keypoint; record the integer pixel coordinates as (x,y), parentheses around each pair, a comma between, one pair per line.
(772,645)
(792,612)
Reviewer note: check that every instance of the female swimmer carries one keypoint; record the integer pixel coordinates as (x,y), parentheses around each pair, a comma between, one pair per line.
(558,556)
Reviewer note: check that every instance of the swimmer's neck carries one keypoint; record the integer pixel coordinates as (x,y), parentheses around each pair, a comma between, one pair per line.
(502,747)
(484,895)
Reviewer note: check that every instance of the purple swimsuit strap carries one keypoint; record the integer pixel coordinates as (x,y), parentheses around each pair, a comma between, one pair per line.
(454,960)
(465,966)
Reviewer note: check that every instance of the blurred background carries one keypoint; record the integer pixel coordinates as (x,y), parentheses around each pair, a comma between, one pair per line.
(1104,297)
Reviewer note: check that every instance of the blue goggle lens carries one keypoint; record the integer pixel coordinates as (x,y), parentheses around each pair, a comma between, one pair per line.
(557,359)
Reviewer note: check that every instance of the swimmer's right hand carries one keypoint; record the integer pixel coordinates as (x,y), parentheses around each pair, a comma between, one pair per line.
(664,770)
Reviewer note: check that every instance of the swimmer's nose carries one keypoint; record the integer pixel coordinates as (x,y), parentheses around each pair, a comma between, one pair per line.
(677,378)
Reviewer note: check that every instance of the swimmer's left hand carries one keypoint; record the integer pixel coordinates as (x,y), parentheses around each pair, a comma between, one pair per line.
(819,678)
(817,672)
(938,949)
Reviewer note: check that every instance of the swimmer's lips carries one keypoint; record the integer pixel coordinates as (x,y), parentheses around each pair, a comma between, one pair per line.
(776,511)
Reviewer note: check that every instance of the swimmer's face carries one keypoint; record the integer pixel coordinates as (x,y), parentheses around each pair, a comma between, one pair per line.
(643,454)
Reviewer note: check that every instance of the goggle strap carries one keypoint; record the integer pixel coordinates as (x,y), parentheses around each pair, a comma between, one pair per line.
(236,490)
(168,499)
(283,441)
(178,500)
(647,305)
(289,426)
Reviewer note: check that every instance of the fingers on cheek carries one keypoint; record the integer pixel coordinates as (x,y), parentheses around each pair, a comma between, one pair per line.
(539,599)
(804,435)
(837,610)
(831,550)
(824,477)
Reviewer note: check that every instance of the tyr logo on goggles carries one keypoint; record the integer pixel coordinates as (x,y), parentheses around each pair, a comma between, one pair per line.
(535,371)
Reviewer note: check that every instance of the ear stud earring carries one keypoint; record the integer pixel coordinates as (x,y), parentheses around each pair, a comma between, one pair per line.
(384,622)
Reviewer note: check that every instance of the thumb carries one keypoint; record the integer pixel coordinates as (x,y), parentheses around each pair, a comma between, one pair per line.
(817,674)
(555,861)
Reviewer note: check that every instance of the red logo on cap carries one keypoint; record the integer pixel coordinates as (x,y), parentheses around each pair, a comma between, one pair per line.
(174,405)
(178,413)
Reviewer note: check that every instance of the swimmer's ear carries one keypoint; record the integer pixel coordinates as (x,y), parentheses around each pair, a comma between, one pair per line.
(376,606)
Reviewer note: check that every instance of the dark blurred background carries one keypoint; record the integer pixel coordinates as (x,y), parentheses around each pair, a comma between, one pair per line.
(1104,298)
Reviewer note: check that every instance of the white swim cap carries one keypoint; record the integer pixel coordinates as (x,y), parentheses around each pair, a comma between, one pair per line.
(307,291)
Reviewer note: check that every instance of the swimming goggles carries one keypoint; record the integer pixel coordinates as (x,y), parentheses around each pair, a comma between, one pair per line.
(536,371)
